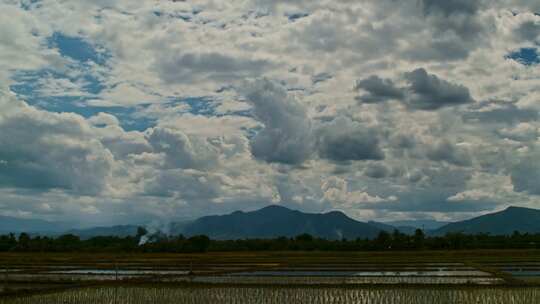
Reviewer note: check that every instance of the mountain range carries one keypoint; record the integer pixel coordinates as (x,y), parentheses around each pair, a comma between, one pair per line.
(523,220)
(17,225)
(275,221)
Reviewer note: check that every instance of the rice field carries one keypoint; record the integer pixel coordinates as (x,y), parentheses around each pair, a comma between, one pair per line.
(269,277)
(268,295)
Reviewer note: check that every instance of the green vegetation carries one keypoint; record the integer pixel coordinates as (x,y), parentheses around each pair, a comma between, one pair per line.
(161,243)
(201,295)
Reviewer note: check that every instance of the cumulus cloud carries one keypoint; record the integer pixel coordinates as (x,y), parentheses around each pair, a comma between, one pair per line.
(43,150)
(457,30)
(189,185)
(182,151)
(524,131)
(529,30)
(445,151)
(429,92)
(451,7)
(167,71)
(336,192)
(345,140)
(471,195)
(193,67)
(525,174)
(287,135)
(503,112)
(378,90)
(424,91)
(377,170)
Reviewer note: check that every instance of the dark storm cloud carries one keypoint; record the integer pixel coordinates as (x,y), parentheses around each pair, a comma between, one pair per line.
(346,140)
(429,92)
(378,90)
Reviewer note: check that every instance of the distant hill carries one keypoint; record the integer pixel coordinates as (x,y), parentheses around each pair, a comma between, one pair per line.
(120,231)
(17,225)
(421,224)
(390,228)
(274,221)
(500,223)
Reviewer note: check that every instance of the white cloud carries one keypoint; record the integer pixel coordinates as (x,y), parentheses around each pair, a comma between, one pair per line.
(471,195)
(160,53)
(336,192)
(48,150)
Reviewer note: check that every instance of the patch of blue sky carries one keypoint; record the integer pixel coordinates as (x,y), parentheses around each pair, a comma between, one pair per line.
(27,83)
(125,115)
(78,49)
(197,105)
(128,118)
(74,104)
(28,88)
(525,56)
(92,85)
(206,106)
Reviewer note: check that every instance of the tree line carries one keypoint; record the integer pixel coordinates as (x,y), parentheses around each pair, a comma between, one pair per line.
(162,243)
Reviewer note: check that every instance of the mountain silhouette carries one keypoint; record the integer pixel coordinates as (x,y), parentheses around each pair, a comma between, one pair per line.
(275,221)
(524,220)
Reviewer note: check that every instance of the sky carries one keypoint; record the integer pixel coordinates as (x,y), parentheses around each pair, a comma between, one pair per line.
(121,111)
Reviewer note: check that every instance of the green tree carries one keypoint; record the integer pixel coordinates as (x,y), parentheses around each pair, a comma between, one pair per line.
(419,239)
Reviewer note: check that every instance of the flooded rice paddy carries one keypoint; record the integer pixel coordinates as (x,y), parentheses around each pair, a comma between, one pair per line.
(453,273)
(266,278)
(268,295)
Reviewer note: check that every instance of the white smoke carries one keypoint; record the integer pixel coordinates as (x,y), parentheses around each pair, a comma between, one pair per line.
(144,239)
(339,234)
(154,230)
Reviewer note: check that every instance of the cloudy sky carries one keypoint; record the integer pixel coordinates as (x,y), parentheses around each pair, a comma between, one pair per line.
(124,111)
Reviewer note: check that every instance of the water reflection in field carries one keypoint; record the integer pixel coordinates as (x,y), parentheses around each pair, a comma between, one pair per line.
(336,280)
(405,273)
